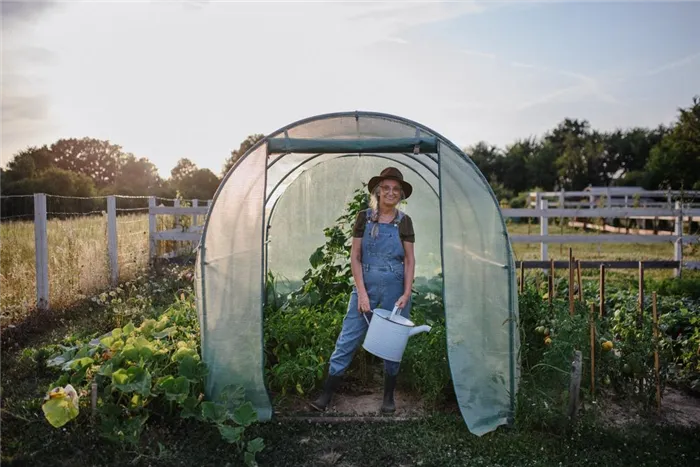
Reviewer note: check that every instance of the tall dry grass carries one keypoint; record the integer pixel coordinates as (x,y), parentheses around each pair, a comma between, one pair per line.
(78,259)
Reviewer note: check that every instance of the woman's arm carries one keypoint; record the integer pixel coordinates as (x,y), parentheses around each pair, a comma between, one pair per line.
(409,268)
(356,265)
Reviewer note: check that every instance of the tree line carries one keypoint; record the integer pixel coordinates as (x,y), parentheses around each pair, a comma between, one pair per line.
(572,156)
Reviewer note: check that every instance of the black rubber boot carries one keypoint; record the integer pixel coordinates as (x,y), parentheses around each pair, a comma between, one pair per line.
(388,405)
(329,387)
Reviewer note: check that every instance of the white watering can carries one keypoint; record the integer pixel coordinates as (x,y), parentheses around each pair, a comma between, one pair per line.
(388,334)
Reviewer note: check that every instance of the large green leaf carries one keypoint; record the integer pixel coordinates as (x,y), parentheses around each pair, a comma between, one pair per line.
(59,411)
(133,379)
(191,369)
(232,434)
(191,408)
(245,414)
(213,411)
(176,389)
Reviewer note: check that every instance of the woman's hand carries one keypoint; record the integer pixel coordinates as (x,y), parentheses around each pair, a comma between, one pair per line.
(363,302)
(402,301)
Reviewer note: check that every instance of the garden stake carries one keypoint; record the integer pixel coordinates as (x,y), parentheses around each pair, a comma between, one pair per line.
(550,285)
(571,282)
(522,277)
(574,385)
(602,290)
(656,351)
(592,319)
(641,295)
(580,284)
(93,388)
(551,273)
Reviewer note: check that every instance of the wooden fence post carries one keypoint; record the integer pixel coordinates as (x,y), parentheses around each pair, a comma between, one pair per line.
(112,245)
(151,228)
(678,244)
(41,249)
(602,290)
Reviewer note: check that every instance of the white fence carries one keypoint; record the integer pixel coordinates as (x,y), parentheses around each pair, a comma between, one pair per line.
(188,232)
(191,231)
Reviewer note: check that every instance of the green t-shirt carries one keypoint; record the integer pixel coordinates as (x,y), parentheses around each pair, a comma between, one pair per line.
(406,232)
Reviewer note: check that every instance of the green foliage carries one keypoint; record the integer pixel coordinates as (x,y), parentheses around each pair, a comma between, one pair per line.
(152,368)
(625,366)
(330,274)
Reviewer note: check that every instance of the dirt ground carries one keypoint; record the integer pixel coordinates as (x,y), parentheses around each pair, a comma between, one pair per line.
(355,401)
(677,408)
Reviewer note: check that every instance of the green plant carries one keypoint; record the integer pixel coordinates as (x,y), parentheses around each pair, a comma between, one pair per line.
(152,368)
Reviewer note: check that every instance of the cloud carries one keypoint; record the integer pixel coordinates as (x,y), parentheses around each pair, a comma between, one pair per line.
(585,87)
(24,11)
(672,65)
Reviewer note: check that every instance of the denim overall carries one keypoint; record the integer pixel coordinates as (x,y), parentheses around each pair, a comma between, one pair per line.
(383,274)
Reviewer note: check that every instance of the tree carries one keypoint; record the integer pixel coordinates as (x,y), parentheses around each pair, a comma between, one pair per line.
(99,160)
(183,170)
(136,177)
(236,154)
(675,162)
(28,163)
(192,182)
(488,159)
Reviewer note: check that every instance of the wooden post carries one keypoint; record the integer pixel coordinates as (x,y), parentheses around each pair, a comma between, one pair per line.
(571,282)
(656,351)
(574,384)
(41,251)
(112,245)
(678,244)
(592,319)
(522,277)
(152,229)
(602,290)
(544,224)
(93,398)
(580,284)
(551,274)
(641,295)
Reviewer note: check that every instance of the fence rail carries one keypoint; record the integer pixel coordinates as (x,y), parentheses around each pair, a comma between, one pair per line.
(191,231)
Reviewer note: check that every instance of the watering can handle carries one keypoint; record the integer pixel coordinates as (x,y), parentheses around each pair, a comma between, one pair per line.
(364,315)
(393,313)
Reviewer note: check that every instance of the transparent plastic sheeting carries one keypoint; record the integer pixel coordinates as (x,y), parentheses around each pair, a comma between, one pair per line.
(231,310)
(320,195)
(460,234)
(478,278)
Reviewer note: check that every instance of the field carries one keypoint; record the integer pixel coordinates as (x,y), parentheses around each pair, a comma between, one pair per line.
(78,262)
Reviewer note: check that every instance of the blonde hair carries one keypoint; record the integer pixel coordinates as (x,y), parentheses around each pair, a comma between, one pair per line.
(374,206)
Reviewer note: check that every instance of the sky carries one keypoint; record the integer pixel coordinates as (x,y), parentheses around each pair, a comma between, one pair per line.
(167,80)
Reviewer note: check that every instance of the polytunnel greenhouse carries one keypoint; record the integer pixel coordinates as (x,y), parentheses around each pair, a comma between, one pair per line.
(269,214)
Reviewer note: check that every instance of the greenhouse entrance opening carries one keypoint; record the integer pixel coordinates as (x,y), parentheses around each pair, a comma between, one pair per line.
(276,234)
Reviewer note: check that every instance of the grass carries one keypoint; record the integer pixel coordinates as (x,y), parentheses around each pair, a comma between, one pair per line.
(78,259)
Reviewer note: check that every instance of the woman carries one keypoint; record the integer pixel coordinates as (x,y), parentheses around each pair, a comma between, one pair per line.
(383,265)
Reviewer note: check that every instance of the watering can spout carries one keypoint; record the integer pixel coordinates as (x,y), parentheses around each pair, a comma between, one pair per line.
(419,329)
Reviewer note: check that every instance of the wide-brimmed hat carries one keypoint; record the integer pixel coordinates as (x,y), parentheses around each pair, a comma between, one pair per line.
(390,173)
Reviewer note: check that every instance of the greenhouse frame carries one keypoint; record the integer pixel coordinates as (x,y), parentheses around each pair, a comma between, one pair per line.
(269,213)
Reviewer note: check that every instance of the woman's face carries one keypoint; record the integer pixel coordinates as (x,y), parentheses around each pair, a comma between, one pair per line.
(389,192)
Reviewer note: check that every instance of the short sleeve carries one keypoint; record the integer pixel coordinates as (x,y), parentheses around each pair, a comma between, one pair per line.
(406,230)
(358,229)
